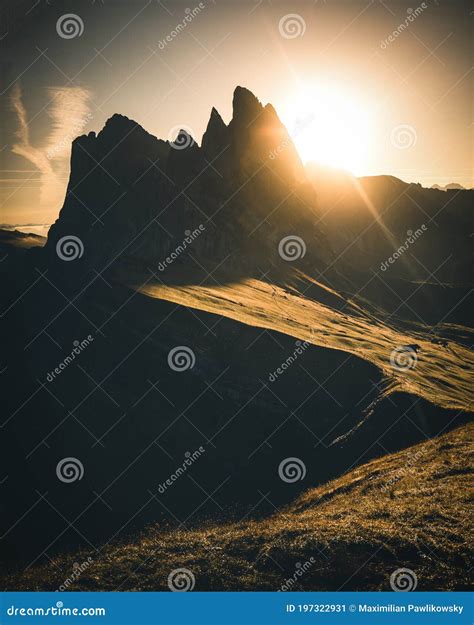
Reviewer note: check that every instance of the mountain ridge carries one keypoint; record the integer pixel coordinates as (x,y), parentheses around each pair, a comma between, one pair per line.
(230,183)
(247,185)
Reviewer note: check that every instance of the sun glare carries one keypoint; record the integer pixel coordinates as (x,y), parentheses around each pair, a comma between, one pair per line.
(329,126)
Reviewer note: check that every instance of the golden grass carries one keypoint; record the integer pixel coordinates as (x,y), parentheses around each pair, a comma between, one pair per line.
(441,375)
(409,509)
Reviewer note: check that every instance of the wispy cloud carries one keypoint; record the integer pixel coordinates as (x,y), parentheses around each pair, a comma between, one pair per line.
(69,112)
(23,147)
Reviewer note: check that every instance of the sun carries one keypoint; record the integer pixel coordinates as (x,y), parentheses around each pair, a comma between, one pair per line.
(330,126)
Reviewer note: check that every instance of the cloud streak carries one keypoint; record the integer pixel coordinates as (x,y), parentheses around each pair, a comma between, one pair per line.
(69,112)
(23,147)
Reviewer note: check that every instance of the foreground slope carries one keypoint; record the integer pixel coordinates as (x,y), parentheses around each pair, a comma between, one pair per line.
(339,404)
(408,509)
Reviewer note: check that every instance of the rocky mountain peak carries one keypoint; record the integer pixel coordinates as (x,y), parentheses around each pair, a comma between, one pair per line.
(216,135)
(128,181)
(245,106)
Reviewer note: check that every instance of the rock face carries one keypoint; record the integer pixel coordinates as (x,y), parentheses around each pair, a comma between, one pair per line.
(131,194)
(232,200)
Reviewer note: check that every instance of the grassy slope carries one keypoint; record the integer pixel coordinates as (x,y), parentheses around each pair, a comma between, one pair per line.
(409,509)
(404,510)
(441,375)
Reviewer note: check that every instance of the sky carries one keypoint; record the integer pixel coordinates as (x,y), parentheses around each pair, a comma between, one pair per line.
(374,86)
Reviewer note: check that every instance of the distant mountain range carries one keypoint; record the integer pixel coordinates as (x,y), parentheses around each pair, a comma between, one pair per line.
(452,186)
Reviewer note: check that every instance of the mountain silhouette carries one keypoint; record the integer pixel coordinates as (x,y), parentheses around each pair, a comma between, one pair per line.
(449,187)
(131,194)
(225,206)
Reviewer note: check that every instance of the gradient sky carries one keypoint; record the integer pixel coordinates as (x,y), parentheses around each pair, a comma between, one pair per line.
(402,107)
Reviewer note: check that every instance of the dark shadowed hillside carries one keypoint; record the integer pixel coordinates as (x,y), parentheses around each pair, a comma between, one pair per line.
(350,534)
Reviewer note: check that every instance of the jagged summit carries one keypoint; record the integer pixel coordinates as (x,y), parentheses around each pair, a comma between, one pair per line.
(244,104)
(216,135)
(121,125)
(249,118)
(126,181)
(246,108)
(118,120)
(215,119)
